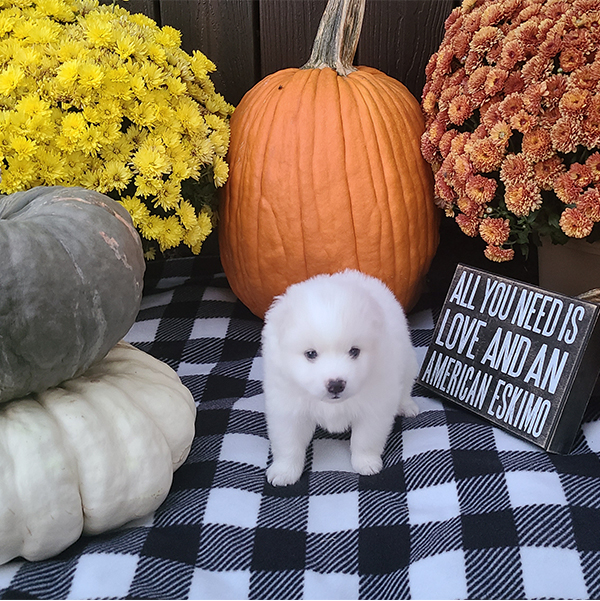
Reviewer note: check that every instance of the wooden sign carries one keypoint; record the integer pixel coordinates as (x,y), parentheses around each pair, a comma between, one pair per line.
(521,357)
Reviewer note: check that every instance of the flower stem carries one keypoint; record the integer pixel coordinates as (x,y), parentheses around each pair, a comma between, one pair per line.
(337,37)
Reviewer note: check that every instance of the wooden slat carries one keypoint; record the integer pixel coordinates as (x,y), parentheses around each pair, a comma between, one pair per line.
(225,31)
(147,7)
(287,32)
(399,36)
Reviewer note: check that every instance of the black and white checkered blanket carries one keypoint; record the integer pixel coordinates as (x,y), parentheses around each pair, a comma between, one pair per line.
(460,510)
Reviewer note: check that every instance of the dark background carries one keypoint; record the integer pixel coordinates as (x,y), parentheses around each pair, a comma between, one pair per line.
(249,39)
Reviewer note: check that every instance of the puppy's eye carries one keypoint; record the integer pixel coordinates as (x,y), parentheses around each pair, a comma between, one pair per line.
(311,354)
(354,352)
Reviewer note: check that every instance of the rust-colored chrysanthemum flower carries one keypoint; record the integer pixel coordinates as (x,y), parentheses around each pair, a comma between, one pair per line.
(481,189)
(498,253)
(523,121)
(463,169)
(459,142)
(548,117)
(590,124)
(564,135)
(523,199)
(468,224)
(444,60)
(477,79)
(512,53)
(511,106)
(469,207)
(500,134)
(571,58)
(491,15)
(551,46)
(575,223)
(546,172)
(459,109)
(516,169)
(581,175)
(485,156)
(495,230)
(555,87)
(445,144)
(586,78)
(537,145)
(460,43)
(495,80)
(484,38)
(428,149)
(514,83)
(490,115)
(437,128)
(533,96)
(518,83)
(526,32)
(574,101)
(593,162)
(565,189)
(589,204)
(536,69)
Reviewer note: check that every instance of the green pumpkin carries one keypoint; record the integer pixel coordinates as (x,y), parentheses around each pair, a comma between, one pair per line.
(71,279)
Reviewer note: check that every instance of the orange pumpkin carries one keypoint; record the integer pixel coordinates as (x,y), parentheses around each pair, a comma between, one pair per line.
(326,173)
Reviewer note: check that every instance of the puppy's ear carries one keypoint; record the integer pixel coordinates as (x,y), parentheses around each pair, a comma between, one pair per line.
(275,314)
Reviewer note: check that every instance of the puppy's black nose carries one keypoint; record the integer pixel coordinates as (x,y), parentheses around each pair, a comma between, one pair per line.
(336,386)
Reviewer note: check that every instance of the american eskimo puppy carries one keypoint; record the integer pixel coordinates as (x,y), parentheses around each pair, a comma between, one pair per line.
(337,353)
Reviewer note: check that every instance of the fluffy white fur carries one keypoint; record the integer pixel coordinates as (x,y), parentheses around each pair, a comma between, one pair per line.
(337,353)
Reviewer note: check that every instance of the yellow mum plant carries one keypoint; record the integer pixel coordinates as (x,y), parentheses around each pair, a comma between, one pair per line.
(512,107)
(97,97)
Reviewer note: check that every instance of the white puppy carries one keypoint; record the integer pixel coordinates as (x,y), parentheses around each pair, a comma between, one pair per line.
(337,353)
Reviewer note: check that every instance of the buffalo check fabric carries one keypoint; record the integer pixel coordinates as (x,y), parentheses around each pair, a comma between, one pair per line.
(460,510)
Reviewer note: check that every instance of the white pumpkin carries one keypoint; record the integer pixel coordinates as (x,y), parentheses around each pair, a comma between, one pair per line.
(91,454)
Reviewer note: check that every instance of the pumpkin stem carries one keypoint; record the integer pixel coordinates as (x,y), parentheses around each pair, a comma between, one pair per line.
(337,37)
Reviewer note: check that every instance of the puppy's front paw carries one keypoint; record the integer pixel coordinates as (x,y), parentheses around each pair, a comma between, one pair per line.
(366,464)
(282,473)
(408,408)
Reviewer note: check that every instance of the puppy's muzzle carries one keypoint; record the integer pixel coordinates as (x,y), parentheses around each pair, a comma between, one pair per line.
(336,387)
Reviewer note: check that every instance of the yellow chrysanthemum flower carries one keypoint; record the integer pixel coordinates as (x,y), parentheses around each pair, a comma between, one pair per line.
(220,171)
(126,46)
(151,227)
(7,22)
(52,168)
(90,75)
(74,126)
(22,146)
(168,197)
(187,215)
(136,208)
(57,9)
(169,37)
(116,176)
(99,31)
(195,236)
(10,78)
(21,174)
(171,233)
(151,160)
(68,73)
(148,186)
(40,31)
